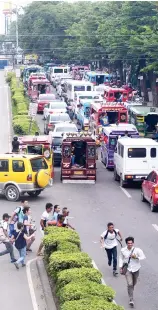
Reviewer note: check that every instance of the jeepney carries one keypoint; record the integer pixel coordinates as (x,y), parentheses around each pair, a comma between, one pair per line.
(97,77)
(112,111)
(113,94)
(145,119)
(78,164)
(30,69)
(39,86)
(38,145)
(110,135)
(32,77)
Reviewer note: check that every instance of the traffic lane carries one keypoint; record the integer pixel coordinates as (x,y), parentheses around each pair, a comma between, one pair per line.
(5,128)
(92,206)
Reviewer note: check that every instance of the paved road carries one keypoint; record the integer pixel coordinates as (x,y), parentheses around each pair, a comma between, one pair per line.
(91,207)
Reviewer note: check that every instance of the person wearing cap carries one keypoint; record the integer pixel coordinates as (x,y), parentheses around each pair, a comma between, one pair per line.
(4,238)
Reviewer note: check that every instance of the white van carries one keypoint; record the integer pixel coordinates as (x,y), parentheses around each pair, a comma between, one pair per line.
(57,71)
(77,86)
(134,159)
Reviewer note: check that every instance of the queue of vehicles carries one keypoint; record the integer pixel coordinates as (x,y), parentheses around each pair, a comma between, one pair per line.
(103,115)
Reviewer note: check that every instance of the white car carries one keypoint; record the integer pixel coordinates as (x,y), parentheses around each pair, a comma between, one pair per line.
(62,128)
(55,107)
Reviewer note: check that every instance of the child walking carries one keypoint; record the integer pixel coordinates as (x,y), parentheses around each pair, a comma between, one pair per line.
(20,238)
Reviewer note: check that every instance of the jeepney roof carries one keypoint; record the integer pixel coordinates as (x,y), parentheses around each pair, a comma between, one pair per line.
(35,139)
(79,137)
(86,93)
(115,89)
(40,81)
(119,128)
(137,142)
(107,105)
(144,111)
(94,73)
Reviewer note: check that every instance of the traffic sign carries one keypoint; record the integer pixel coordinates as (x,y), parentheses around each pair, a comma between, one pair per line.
(32,109)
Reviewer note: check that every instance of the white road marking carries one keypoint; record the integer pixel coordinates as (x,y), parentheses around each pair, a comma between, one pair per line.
(9,120)
(95,241)
(30,283)
(125,192)
(155,226)
(102,280)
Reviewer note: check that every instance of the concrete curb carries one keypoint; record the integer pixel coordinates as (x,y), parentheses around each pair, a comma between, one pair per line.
(47,293)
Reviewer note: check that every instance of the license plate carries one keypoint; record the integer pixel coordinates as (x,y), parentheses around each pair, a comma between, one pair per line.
(78,172)
(58,148)
(140,176)
(86,128)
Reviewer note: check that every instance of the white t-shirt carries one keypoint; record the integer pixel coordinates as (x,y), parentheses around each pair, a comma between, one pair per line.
(4,226)
(45,216)
(110,241)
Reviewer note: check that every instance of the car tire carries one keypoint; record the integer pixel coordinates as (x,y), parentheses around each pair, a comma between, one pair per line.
(34,194)
(152,206)
(116,176)
(12,193)
(122,182)
(142,196)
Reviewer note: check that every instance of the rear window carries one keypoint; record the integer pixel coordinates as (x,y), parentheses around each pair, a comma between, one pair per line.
(58,105)
(66,129)
(35,149)
(62,117)
(49,97)
(79,88)
(58,70)
(137,152)
(57,141)
(38,163)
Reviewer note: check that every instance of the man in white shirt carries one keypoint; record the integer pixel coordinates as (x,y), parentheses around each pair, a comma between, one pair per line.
(109,242)
(43,223)
(131,256)
(4,238)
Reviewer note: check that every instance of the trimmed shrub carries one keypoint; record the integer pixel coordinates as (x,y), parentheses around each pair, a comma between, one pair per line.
(78,274)
(92,303)
(59,261)
(21,126)
(67,247)
(81,290)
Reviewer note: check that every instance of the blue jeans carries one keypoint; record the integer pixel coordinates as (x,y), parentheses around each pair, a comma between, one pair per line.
(112,254)
(11,228)
(73,160)
(22,253)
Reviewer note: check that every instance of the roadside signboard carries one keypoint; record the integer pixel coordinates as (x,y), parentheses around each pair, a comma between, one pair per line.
(32,109)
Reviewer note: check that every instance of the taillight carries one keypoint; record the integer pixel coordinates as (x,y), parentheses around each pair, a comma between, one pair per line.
(50,125)
(156,190)
(29,177)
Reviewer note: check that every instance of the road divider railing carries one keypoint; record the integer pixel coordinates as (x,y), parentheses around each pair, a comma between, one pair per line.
(20,107)
(76,284)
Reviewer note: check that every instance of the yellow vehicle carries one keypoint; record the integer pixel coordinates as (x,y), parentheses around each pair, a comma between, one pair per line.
(20,174)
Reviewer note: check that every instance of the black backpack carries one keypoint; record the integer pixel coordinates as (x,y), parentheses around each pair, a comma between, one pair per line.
(108,232)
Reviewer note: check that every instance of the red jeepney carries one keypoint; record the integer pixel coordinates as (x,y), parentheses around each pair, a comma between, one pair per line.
(78,164)
(38,145)
(113,94)
(33,77)
(114,112)
(39,86)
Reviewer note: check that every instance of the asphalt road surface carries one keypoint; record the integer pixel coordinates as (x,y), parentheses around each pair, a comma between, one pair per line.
(91,207)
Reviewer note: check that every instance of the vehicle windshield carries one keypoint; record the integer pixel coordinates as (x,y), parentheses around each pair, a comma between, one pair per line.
(62,117)
(57,141)
(79,88)
(60,70)
(58,105)
(66,129)
(47,97)
(86,97)
(38,163)
(35,149)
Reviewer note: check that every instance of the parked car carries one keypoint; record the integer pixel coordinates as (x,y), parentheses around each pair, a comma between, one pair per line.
(43,100)
(22,173)
(55,107)
(149,190)
(53,119)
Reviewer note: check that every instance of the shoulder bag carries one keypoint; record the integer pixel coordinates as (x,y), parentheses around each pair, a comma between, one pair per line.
(125,265)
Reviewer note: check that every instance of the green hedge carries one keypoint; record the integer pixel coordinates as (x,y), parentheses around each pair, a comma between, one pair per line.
(92,303)
(81,290)
(21,123)
(78,274)
(77,284)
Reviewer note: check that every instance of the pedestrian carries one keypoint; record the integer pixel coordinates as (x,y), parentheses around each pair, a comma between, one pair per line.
(15,145)
(65,213)
(17,216)
(28,228)
(4,238)
(109,242)
(129,264)
(43,223)
(56,212)
(20,239)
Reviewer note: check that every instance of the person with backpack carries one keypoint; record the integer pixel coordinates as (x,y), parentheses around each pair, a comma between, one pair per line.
(20,239)
(109,242)
(17,216)
(28,228)
(4,238)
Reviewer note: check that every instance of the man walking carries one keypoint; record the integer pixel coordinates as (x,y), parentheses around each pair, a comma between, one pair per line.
(4,238)
(109,242)
(129,264)
(17,216)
